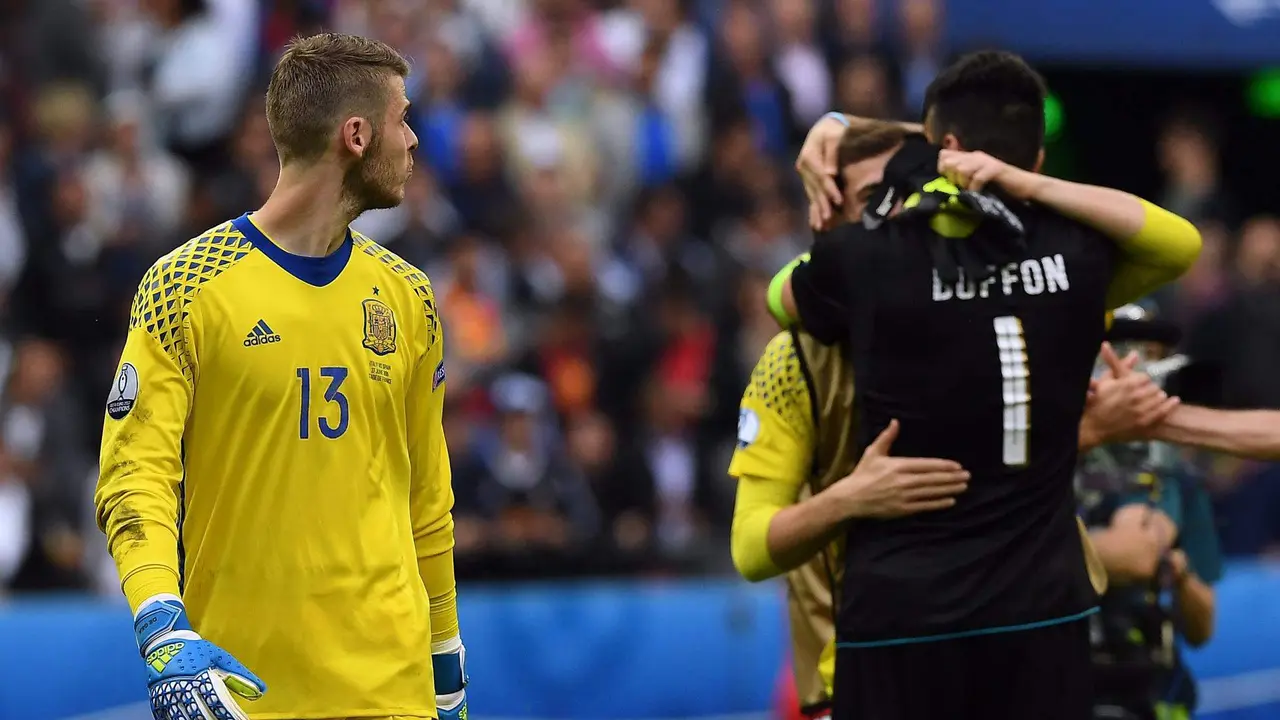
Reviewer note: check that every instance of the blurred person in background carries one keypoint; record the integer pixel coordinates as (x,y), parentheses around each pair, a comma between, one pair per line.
(615,473)
(799,60)
(572,23)
(1151,521)
(920,53)
(58,43)
(656,245)
(1241,337)
(199,74)
(534,499)
(719,192)
(439,109)
(44,448)
(482,192)
(137,191)
(542,140)
(660,44)
(1188,153)
(13,230)
(1207,285)
(642,143)
(743,80)
(852,27)
(864,88)
(477,337)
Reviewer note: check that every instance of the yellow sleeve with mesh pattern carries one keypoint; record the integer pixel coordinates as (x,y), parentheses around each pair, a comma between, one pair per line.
(140,465)
(774,453)
(1165,248)
(431,495)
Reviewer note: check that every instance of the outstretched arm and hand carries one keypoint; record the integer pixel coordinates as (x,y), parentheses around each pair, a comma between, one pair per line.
(1253,434)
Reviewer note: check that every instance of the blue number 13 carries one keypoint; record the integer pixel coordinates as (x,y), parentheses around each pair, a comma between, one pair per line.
(333,394)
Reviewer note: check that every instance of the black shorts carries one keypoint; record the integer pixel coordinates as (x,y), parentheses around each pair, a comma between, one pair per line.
(1039,674)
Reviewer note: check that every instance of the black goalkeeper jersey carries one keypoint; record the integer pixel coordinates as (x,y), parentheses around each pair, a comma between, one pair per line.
(989,371)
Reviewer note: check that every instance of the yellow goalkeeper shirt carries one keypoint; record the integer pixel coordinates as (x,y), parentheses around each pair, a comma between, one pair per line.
(273,452)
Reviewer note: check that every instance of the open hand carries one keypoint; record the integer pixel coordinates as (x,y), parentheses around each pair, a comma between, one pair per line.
(817,166)
(888,487)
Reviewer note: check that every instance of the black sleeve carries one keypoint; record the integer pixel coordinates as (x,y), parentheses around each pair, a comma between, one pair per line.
(820,287)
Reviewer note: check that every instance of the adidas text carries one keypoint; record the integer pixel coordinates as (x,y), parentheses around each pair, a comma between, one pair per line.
(261,334)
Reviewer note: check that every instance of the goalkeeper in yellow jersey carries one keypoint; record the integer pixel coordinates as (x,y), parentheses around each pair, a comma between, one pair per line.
(795,459)
(274,485)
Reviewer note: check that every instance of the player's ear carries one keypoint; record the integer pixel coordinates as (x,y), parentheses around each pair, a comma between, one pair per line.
(357,133)
(1039,161)
(951,142)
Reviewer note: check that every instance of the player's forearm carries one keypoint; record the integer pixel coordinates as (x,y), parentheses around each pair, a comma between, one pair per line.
(759,502)
(138,512)
(1090,437)
(1251,434)
(435,566)
(858,122)
(1146,234)
(1196,610)
(800,531)
(142,543)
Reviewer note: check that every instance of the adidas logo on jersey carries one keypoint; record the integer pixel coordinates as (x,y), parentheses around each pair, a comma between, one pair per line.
(261,334)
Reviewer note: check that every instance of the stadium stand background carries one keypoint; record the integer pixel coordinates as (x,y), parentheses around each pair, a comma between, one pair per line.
(604,189)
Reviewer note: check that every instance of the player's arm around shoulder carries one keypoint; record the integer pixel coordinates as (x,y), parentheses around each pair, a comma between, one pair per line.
(1156,246)
(772,532)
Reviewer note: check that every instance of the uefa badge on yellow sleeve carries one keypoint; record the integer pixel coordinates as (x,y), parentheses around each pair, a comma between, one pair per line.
(748,427)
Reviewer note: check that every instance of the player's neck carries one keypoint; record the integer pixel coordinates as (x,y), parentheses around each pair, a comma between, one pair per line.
(306,214)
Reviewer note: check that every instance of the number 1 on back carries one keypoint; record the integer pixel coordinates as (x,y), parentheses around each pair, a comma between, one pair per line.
(1016,388)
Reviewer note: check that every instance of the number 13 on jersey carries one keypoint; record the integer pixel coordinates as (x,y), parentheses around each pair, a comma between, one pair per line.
(1016,389)
(332,395)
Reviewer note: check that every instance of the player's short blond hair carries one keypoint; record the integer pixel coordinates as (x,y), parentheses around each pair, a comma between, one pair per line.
(862,142)
(321,79)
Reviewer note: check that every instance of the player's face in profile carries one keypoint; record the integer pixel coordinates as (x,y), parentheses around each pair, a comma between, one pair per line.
(861,179)
(378,180)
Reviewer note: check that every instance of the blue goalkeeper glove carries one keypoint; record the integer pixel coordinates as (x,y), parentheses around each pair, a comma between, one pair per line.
(448,664)
(188,676)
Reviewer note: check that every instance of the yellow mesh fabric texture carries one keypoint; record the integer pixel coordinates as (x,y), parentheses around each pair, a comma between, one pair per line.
(412,275)
(161,304)
(777,382)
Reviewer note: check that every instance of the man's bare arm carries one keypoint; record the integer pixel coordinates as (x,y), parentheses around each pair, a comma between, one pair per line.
(1253,434)
(880,486)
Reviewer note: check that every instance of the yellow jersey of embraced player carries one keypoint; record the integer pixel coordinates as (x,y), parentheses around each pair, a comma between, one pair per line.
(273,452)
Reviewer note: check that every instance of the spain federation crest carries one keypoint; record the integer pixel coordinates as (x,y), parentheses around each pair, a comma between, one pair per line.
(379,327)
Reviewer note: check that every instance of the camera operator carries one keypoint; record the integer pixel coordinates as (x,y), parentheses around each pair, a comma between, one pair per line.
(1151,522)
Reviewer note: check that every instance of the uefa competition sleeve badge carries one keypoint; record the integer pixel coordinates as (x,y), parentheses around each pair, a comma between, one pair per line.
(124,393)
(748,427)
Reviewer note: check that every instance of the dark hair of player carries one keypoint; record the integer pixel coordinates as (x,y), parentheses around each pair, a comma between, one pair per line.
(318,82)
(992,101)
(868,142)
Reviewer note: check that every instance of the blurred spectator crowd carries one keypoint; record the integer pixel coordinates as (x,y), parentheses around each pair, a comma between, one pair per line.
(603,194)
